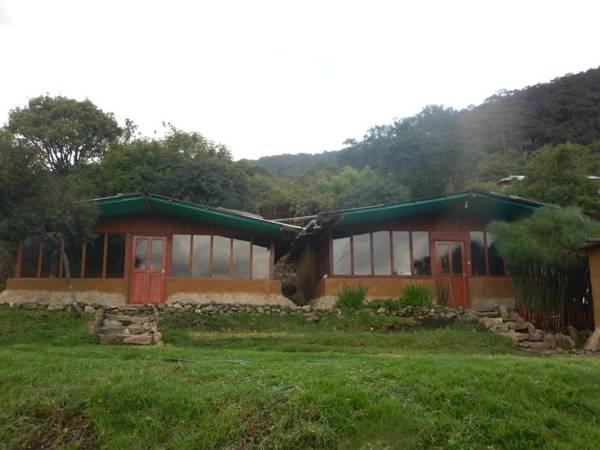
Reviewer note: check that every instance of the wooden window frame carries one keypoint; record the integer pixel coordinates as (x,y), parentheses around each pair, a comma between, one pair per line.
(392,255)
(232,275)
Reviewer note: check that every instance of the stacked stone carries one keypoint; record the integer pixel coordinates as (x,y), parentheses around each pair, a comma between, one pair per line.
(523,333)
(135,325)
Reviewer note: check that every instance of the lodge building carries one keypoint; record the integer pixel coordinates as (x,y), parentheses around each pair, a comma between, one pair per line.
(154,249)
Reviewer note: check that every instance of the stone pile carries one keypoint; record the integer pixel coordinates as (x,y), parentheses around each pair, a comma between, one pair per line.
(136,325)
(522,333)
(310,312)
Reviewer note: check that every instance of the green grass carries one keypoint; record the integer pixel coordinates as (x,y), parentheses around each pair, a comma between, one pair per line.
(361,382)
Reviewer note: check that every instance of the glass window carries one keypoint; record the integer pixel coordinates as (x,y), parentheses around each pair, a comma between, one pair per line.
(341,256)
(29,258)
(457,258)
(115,257)
(50,259)
(201,256)
(73,254)
(180,258)
(241,258)
(261,259)
(141,253)
(401,244)
(444,258)
(421,258)
(495,262)
(94,254)
(157,251)
(221,251)
(477,253)
(382,257)
(362,254)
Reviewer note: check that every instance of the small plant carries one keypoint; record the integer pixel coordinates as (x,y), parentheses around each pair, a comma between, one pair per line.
(417,295)
(351,297)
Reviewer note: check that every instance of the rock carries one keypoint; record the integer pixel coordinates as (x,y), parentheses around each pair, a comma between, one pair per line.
(515,317)
(208,309)
(533,345)
(574,335)
(111,323)
(109,339)
(537,336)
(381,310)
(521,326)
(550,342)
(489,322)
(503,312)
(307,308)
(593,343)
(138,339)
(564,342)
(89,309)
(515,337)
(55,307)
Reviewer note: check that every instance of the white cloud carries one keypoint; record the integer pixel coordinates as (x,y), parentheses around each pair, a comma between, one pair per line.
(268,77)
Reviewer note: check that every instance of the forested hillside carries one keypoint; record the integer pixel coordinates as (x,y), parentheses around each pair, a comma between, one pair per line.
(442,149)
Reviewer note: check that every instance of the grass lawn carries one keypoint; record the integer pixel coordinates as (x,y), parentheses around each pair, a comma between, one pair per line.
(361,382)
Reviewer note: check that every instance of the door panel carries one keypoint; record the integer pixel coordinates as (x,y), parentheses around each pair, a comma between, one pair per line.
(148,272)
(450,271)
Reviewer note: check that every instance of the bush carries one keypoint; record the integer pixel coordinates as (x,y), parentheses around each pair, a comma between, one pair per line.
(351,298)
(417,295)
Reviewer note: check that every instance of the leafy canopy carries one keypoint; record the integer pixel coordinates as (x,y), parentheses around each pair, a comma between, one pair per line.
(64,131)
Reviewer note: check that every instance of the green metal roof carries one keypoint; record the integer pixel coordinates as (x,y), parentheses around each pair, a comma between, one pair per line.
(490,205)
(127,204)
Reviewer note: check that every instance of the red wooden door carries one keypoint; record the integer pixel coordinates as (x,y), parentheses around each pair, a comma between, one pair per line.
(451,272)
(148,271)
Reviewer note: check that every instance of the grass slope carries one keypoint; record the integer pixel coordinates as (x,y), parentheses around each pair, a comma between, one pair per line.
(280,382)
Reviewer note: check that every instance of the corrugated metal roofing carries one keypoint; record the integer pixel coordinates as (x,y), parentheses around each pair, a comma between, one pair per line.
(138,203)
(496,206)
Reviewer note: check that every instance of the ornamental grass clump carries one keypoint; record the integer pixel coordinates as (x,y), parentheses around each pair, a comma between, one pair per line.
(550,279)
(351,297)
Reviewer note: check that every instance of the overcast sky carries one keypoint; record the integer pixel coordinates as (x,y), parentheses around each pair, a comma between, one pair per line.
(269,77)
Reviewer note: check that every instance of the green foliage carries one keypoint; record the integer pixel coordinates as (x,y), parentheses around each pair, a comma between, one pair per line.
(351,297)
(548,275)
(556,174)
(412,295)
(63,131)
(417,295)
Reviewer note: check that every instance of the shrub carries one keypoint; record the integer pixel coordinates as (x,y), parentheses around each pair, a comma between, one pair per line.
(351,298)
(417,295)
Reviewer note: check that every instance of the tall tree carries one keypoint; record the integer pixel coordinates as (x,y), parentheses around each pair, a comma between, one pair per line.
(64,131)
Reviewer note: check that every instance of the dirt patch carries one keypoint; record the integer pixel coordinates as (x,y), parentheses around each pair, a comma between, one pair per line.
(57,429)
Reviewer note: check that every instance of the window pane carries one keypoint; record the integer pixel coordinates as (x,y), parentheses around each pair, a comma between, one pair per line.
(73,254)
(341,256)
(381,253)
(141,253)
(93,257)
(401,252)
(495,261)
(241,258)
(477,253)
(421,259)
(29,259)
(50,259)
(457,258)
(201,256)
(443,257)
(157,250)
(180,258)
(221,250)
(115,258)
(261,259)
(362,254)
